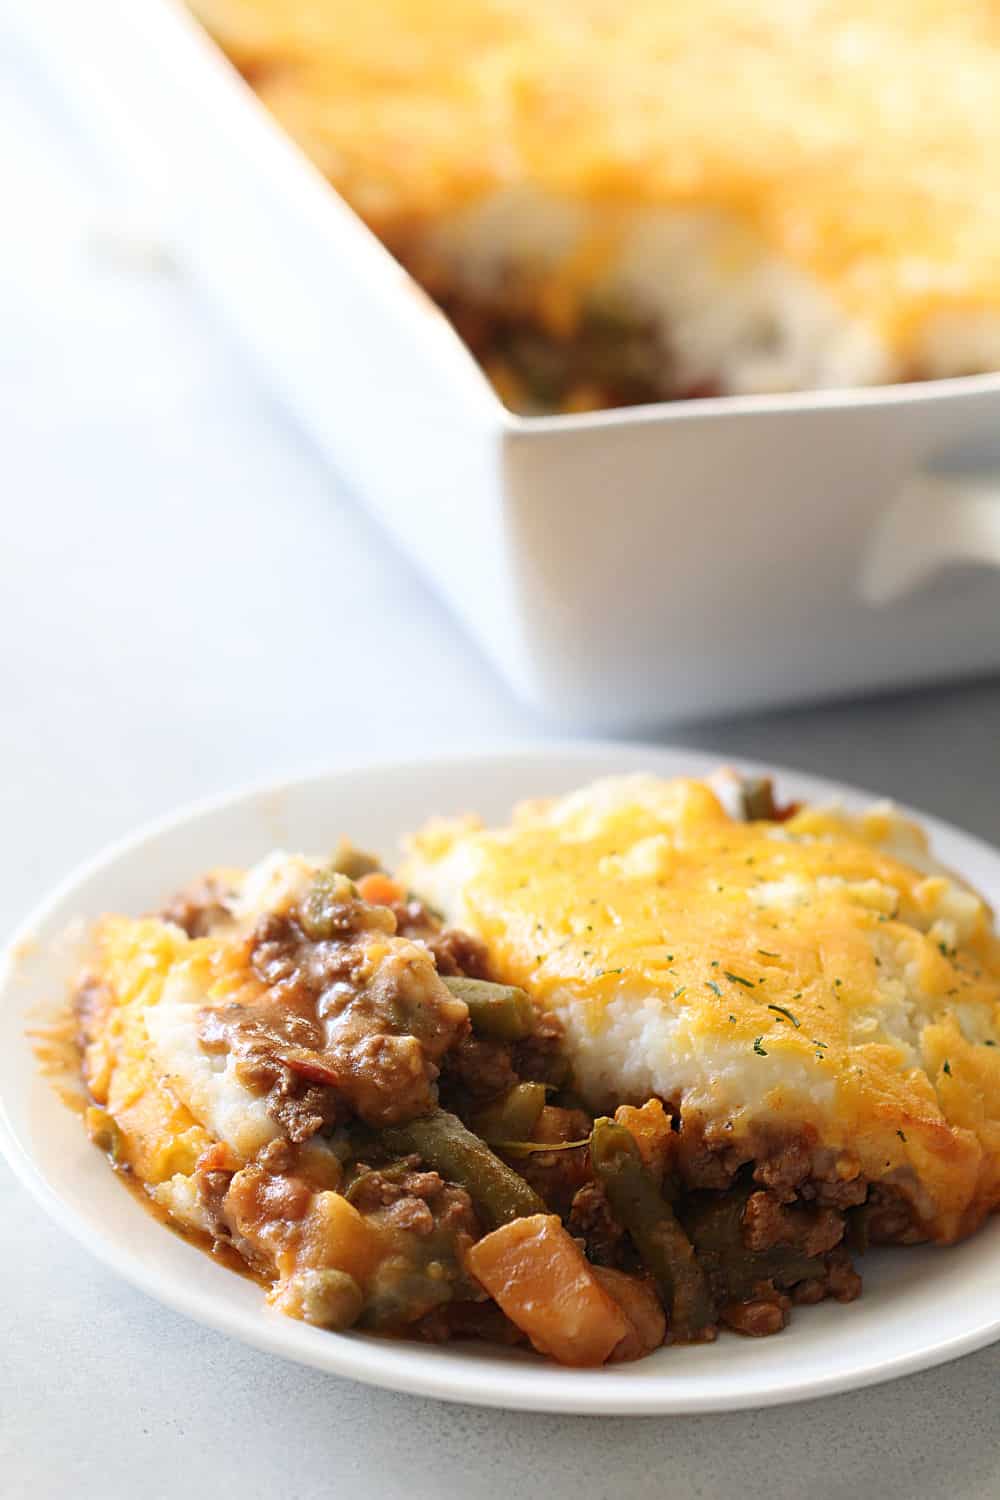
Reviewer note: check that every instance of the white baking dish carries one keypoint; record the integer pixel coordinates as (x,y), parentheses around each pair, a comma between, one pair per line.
(621,567)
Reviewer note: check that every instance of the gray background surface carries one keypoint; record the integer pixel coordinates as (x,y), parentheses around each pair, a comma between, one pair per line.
(175,569)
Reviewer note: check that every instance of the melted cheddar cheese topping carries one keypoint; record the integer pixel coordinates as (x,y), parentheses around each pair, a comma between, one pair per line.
(820,971)
(157,1135)
(858,138)
(142,1063)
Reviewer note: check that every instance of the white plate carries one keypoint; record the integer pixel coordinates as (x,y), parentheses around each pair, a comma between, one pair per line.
(919,1308)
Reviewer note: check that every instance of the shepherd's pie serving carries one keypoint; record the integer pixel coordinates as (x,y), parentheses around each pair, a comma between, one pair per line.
(625,202)
(657,1057)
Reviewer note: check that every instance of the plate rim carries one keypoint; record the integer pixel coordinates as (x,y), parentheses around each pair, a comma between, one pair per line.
(395,1365)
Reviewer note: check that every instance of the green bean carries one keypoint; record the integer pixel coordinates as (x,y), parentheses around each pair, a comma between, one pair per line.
(501,1011)
(639,1205)
(443,1142)
(514,1117)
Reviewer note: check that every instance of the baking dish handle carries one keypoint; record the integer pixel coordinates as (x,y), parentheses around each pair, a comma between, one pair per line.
(937,520)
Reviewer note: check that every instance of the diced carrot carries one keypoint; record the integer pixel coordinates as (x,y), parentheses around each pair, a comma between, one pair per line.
(650,1128)
(380,890)
(636,1296)
(541,1279)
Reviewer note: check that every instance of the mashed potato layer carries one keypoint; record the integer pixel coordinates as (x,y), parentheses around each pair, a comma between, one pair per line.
(817,977)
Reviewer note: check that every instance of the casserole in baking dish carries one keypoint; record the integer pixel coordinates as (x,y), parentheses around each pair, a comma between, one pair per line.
(619,567)
(623,203)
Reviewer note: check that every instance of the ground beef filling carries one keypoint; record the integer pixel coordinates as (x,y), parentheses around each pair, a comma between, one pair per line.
(608,358)
(406,1196)
(591,1219)
(430,1223)
(768,1222)
(453,951)
(351,1023)
(759,1252)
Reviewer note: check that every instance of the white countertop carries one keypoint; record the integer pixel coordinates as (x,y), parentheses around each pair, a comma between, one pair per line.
(188,601)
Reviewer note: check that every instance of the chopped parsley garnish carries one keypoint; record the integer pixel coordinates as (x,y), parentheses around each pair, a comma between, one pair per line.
(738,979)
(715,988)
(818,1043)
(678,993)
(902,1137)
(768,954)
(783,1012)
(760,1051)
(838,982)
(715,963)
(989,1044)
(733,1019)
(947,1067)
